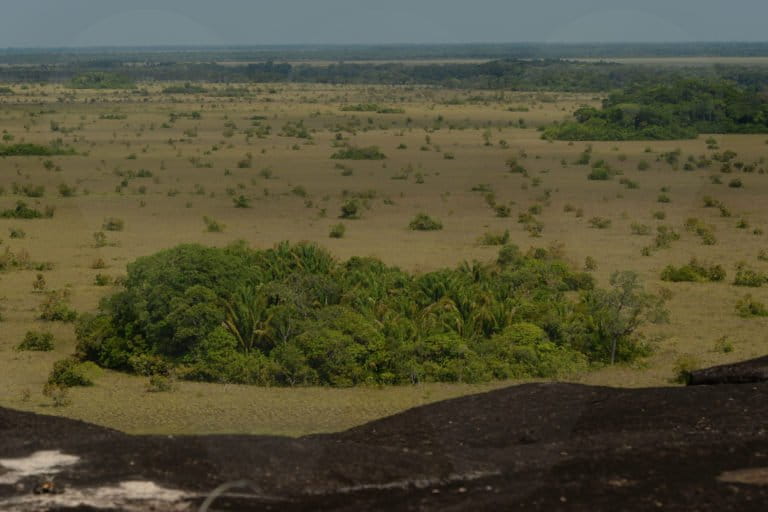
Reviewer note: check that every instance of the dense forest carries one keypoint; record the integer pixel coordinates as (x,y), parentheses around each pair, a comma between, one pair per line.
(293,315)
(677,110)
(517,74)
(398,52)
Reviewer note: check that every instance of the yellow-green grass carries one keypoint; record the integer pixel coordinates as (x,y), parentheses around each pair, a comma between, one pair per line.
(701,313)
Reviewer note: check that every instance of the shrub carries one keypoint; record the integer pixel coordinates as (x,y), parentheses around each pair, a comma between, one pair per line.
(22,211)
(748,277)
(599,173)
(502,210)
(102,280)
(159,384)
(643,165)
(241,202)
(16,233)
(423,222)
(359,153)
(55,308)
(600,222)
(724,345)
(640,229)
(735,183)
(747,307)
(694,271)
(212,225)
(337,231)
(98,264)
(113,224)
(29,190)
(665,235)
(495,238)
(684,365)
(350,209)
(37,341)
(26,149)
(67,191)
(70,372)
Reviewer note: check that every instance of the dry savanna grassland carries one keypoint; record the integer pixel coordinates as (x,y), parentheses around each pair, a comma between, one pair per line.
(150,168)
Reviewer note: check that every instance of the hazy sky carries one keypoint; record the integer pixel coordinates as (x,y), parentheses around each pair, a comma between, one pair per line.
(25,23)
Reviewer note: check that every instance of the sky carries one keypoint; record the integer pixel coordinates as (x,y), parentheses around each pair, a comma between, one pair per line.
(46,23)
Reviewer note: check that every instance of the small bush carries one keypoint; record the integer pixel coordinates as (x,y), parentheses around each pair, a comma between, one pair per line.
(22,211)
(665,235)
(640,229)
(37,341)
(241,202)
(600,222)
(16,233)
(159,384)
(724,345)
(70,372)
(102,280)
(748,307)
(684,365)
(748,277)
(55,308)
(423,222)
(113,224)
(212,225)
(67,191)
(350,209)
(694,271)
(359,153)
(495,238)
(735,183)
(337,231)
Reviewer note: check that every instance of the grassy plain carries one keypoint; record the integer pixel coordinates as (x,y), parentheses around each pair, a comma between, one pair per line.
(450,141)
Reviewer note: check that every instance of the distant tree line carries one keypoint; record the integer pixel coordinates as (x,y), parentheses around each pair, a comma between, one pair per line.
(532,75)
(677,110)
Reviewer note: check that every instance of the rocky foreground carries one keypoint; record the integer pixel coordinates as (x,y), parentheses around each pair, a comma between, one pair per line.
(531,447)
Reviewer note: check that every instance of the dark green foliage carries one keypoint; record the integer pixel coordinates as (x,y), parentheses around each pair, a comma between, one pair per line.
(371,107)
(28,149)
(293,315)
(358,153)
(71,372)
(693,271)
(676,110)
(101,80)
(22,211)
(423,222)
(186,88)
(37,341)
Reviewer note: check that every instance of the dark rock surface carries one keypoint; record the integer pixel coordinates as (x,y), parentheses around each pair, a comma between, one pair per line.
(754,370)
(529,447)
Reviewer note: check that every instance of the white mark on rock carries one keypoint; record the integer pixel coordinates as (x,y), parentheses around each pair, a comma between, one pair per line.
(39,463)
(128,496)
